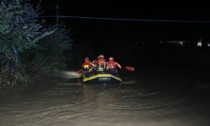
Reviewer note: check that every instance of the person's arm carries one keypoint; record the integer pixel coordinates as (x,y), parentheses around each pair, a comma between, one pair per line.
(91,63)
(119,66)
(107,65)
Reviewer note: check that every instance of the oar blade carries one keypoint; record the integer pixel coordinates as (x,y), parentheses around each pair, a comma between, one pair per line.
(129,68)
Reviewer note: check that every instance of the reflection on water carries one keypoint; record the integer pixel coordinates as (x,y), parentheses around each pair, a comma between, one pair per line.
(133,104)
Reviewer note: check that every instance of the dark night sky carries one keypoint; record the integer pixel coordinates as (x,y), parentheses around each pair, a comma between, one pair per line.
(165,21)
(139,10)
(154,12)
(160,25)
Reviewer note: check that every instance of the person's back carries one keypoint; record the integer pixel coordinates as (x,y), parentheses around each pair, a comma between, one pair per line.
(100,63)
(112,66)
(87,66)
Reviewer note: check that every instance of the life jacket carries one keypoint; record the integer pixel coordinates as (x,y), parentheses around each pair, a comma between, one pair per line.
(101,64)
(87,65)
(113,65)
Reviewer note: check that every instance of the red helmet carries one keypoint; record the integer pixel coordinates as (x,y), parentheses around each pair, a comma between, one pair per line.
(101,56)
(86,59)
(111,59)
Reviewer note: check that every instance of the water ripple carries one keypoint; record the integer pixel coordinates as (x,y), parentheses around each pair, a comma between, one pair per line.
(101,105)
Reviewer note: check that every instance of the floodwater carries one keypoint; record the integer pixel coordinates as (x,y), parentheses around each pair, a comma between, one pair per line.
(147,99)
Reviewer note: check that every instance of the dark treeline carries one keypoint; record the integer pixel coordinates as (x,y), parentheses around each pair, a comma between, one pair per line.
(29,47)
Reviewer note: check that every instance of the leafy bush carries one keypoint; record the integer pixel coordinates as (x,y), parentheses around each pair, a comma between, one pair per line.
(28,49)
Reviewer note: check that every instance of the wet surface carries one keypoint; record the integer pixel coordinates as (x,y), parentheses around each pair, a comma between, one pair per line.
(148,99)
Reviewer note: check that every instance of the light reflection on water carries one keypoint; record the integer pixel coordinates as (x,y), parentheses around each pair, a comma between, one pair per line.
(140,103)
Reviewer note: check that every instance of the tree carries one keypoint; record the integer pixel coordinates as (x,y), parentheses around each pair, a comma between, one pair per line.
(19,29)
(20,33)
(48,55)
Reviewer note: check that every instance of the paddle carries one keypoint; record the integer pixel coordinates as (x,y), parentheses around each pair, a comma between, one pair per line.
(79,71)
(129,68)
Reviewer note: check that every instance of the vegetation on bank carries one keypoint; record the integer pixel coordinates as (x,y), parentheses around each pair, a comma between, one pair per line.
(28,49)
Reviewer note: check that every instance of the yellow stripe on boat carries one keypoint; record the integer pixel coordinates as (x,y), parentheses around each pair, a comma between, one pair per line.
(100,75)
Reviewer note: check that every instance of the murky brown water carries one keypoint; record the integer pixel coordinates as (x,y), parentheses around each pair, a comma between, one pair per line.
(136,103)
